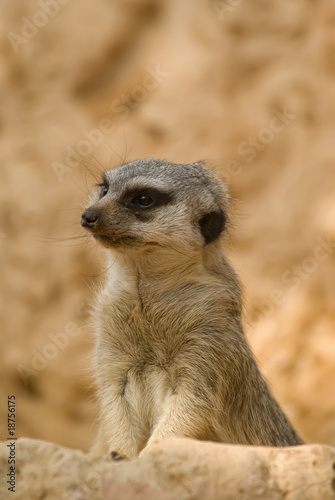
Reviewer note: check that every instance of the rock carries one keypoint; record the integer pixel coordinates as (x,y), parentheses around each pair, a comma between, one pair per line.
(178,469)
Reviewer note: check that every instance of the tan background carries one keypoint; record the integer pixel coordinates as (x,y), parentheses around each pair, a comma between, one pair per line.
(224,71)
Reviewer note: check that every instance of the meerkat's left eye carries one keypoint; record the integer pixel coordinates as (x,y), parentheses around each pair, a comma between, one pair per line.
(146,198)
(104,189)
(144,201)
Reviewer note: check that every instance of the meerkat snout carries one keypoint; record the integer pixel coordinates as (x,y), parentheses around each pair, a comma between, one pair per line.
(89,219)
(171,355)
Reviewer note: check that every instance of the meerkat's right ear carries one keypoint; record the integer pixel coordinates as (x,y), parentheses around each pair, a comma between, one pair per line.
(212,224)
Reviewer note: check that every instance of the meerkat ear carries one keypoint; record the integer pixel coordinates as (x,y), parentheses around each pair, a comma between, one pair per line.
(212,225)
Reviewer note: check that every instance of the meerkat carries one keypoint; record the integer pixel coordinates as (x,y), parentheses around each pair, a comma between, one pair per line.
(171,355)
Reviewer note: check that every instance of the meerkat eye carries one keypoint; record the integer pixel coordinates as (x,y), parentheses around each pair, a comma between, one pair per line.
(104,189)
(144,201)
(146,198)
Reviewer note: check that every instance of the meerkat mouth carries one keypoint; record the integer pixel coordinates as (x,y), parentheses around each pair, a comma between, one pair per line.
(116,241)
(126,242)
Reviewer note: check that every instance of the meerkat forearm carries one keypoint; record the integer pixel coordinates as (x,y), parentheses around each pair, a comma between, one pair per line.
(171,357)
(116,431)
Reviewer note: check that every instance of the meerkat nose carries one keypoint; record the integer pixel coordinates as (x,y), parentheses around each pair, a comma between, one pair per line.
(89,219)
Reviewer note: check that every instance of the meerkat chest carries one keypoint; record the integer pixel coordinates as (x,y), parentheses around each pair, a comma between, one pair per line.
(133,364)
(146,327)
(151,320)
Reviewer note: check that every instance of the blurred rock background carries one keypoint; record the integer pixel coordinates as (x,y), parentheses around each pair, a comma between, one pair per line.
(85,85)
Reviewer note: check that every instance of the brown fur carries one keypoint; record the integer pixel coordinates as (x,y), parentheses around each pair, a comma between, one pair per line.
(171,355)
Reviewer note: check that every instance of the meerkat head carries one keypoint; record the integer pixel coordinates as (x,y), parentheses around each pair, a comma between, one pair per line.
(152,202)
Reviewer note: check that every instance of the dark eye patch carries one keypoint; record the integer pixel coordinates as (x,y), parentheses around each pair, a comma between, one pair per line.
(144,199)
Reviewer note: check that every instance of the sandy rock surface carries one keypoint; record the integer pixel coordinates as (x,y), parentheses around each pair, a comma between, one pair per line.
(86,84)
(179,469)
